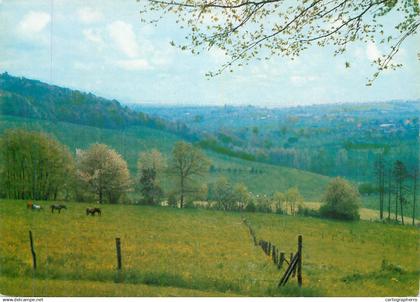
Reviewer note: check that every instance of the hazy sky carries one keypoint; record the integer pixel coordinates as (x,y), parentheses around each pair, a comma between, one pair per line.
(102,47)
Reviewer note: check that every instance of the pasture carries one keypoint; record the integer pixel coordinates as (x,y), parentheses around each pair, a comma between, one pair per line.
(195,252)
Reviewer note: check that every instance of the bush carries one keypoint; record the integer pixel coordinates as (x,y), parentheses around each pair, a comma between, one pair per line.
(341,201)
(250,207)
(308,212)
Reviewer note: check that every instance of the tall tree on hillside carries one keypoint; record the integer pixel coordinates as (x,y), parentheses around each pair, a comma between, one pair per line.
(414,176)
(380,178)
(33,165)
(400,175)
(389,189)
(104,172)
(150,166)
(247,30)
(187,162)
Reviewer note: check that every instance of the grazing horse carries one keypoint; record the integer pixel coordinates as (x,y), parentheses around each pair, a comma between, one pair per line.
(29,204)
(92,211)
(37,207)
(57,207)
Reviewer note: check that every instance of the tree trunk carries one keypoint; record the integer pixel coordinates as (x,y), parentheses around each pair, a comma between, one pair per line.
(396,204)
(182,192)
(401,204)
(414,196)
(389,194)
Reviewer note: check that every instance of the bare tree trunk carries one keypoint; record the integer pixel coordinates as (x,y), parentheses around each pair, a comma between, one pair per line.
(401,204)
(182,192)
(414,195)
(389,193)
(396,204)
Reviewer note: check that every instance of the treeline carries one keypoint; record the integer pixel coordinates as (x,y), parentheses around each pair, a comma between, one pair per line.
(396,186)
(35,166)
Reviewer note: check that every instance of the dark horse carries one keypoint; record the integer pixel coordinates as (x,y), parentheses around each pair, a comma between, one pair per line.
(57,207)
(92,211)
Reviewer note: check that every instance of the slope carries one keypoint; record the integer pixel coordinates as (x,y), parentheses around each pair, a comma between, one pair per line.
(259,177)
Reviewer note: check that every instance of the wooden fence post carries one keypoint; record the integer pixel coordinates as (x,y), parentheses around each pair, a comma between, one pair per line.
(273,254)
(118,246)
(32,250)
(282,258)
(299,264)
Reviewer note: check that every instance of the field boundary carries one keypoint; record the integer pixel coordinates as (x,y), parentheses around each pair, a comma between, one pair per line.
(278,257)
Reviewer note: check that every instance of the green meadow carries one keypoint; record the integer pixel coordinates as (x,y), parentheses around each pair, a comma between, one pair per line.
(196,252)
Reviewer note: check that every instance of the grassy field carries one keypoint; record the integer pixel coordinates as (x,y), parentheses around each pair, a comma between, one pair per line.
(133,140)
(192,252)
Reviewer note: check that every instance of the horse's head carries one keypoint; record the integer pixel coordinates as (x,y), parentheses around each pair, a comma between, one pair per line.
(87,211)
(64,207)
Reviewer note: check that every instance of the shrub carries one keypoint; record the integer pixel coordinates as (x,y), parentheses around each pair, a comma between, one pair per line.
(341,201)
(250,207)
(308,212)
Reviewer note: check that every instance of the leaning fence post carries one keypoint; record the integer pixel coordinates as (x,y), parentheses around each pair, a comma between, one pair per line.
(282,258)
(32,249)
(299,264)
(118,246)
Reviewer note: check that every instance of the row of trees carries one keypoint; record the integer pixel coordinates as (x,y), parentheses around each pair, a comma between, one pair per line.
(35,166)
(396,184)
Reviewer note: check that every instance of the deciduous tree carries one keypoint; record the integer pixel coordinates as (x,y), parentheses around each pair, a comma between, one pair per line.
(34,165)
(341,200)
(186,164)
(104,172)
(244,30)
(150,166)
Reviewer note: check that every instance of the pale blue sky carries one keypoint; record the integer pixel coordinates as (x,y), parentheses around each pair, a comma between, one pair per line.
(102,47)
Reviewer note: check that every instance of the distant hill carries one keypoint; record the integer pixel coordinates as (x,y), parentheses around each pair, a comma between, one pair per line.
(333,139)
(28,98)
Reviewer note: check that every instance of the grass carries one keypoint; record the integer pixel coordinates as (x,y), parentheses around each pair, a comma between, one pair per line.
(134,140)
(194,252)
(64,288)
(335,251)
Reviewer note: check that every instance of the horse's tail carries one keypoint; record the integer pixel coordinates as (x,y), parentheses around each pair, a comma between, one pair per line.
(87,211)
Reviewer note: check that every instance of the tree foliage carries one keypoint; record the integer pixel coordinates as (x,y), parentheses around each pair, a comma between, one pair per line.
(186,164)
(244,29)
(104,173)
(34,166)
(150,166)
(341,200)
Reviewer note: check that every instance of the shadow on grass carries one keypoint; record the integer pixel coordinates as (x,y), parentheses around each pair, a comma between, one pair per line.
(12,267)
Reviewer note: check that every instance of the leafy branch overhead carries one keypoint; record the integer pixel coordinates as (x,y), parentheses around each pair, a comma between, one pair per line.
(245,30)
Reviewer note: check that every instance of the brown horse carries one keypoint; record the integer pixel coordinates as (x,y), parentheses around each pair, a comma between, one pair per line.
(92,211)
(57,207)
(29,204)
